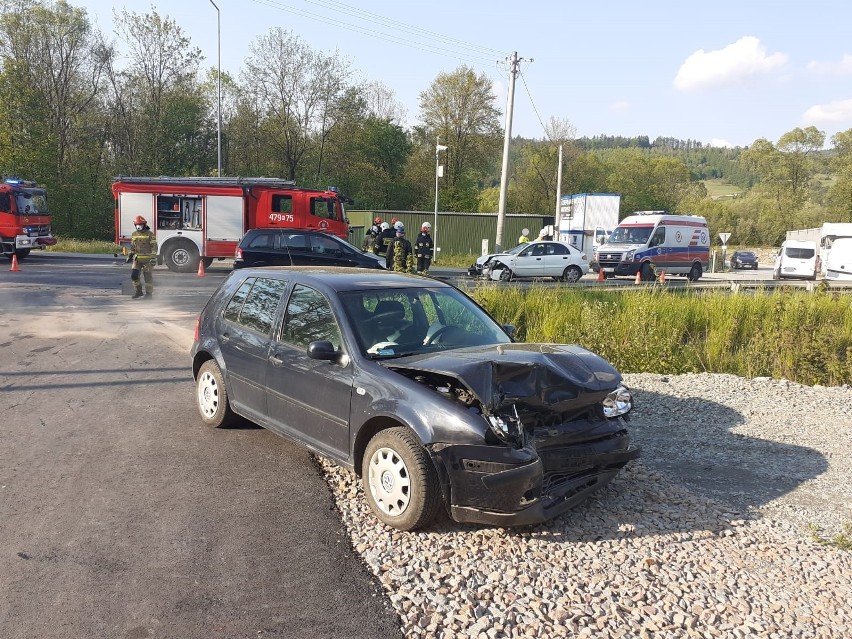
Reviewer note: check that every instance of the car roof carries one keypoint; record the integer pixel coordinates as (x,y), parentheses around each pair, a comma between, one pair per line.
(340,278)
(284,230)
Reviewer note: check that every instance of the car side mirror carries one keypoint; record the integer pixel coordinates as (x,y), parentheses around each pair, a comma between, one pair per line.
(322,350)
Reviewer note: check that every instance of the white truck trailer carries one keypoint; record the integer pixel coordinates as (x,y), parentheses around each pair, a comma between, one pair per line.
(824,237)
(586,220)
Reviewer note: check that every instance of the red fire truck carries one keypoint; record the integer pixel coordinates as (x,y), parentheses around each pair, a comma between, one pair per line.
(203,218)
(24,219)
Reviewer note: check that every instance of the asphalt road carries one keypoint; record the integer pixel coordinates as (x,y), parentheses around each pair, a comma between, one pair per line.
(121,515)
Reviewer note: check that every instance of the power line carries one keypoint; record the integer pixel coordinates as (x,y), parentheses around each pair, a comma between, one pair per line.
(422,46)
(532,102)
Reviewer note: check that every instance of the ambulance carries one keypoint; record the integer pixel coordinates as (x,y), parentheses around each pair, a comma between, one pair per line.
(651,242)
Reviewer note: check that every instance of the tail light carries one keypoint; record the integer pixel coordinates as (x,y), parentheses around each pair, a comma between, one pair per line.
(238,254)
(197,328)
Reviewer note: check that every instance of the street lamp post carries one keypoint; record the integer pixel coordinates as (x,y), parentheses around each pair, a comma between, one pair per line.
(218,89)
(438,148)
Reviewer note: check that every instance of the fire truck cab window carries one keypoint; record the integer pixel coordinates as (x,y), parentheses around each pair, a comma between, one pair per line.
(282,203)
(5,202)
(323,208)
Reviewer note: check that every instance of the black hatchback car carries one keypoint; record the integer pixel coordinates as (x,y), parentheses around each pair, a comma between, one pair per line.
(287,247)
(409,383)
(743,259)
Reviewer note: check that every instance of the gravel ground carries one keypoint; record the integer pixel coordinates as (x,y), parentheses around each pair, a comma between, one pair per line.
(707,535)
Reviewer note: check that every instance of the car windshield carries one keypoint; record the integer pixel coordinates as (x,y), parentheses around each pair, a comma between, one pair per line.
(31,203)
(630,235)
(408,321)
(745,254)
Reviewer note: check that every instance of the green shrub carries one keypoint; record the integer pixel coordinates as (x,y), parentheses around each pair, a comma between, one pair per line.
(798,335)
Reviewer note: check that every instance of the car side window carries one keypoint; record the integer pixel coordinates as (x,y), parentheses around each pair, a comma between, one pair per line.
(309,318)
(235,304)
(324,245)
(261,302)
(659,237)
(296,242)
(557,249)
(539,249)
(261,241)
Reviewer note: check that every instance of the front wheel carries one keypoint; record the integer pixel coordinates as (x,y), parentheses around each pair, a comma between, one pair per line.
(211,396)
(695,273)
(399,480)
(506,275)
(182,257)
(22,253)
(572,274)
(647,272)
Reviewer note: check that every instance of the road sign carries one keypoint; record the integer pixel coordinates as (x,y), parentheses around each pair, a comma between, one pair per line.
(724,237)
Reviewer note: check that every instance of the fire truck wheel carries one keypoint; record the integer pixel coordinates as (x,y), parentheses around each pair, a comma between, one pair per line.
(207,261)
(22,253)
(181,256)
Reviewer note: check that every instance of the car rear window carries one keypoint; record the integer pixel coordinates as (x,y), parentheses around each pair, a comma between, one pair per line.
(796,253)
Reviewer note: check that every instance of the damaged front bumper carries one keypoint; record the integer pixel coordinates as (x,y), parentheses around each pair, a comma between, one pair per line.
(504,486)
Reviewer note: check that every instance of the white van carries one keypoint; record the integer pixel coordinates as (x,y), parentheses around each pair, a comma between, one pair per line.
(648,242)
(796,259)
(838,264)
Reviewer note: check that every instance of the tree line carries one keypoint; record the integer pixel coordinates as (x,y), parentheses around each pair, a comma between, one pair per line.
(75,111)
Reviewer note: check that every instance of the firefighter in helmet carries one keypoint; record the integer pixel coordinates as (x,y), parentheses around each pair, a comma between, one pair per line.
(372,235)
(143,250)
(387,234)
(423,248)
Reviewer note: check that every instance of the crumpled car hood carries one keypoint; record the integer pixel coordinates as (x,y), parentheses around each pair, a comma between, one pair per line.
(557,377)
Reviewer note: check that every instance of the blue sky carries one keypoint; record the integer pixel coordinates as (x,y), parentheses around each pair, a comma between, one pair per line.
(720,72)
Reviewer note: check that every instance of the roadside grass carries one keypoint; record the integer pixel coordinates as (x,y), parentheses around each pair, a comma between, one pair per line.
(797,335)
(71,245)
(456,260)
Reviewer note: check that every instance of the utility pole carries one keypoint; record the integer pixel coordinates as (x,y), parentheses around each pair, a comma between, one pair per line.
(514,69)
(558,189)
(218,89)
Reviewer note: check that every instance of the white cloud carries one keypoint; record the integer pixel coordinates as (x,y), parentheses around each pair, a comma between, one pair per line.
(744,58)
(844,67)
(720,143)
(838,111)
(619,107)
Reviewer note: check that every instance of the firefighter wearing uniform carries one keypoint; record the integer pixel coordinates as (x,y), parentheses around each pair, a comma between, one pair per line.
(423,248)
(372,235)
(398,252)
(388,233)
(143,247)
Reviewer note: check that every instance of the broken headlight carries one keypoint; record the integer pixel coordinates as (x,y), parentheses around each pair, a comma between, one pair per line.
(507,426)
(618,402)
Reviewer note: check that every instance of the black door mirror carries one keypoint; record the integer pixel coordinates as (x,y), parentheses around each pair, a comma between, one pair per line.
(323,350)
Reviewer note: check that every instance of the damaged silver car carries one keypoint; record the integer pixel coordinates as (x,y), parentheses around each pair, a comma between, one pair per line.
(409,383)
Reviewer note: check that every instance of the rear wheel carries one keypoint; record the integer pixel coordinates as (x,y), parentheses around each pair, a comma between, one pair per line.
(399,479)
(207,261)
(695,273)
(211,396)
(181,256)
(572,274)
(647,272)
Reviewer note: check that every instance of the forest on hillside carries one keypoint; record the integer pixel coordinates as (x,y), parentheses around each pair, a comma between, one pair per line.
(74,114)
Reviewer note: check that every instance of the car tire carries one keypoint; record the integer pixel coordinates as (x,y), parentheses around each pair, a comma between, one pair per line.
(733,266)
(211,396)
(695,272)
(207,261)
(506,275)
(647,272)
(22,253)
(399,480)
(572,274)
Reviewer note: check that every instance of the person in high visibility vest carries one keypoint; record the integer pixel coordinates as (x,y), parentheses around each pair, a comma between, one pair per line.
(143,249)
(525,236)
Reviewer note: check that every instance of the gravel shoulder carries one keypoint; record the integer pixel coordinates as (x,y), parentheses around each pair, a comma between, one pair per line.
(707,535)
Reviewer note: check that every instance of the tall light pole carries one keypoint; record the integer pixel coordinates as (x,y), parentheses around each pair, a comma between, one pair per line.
(438,148)
(218,88)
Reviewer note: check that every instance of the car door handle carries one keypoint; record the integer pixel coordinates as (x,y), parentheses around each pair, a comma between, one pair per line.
(276,361)
(225,337)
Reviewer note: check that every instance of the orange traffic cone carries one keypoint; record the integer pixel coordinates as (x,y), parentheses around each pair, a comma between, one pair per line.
(14,263)
(200,268)
(638,277)
(600,275)
(662,277)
